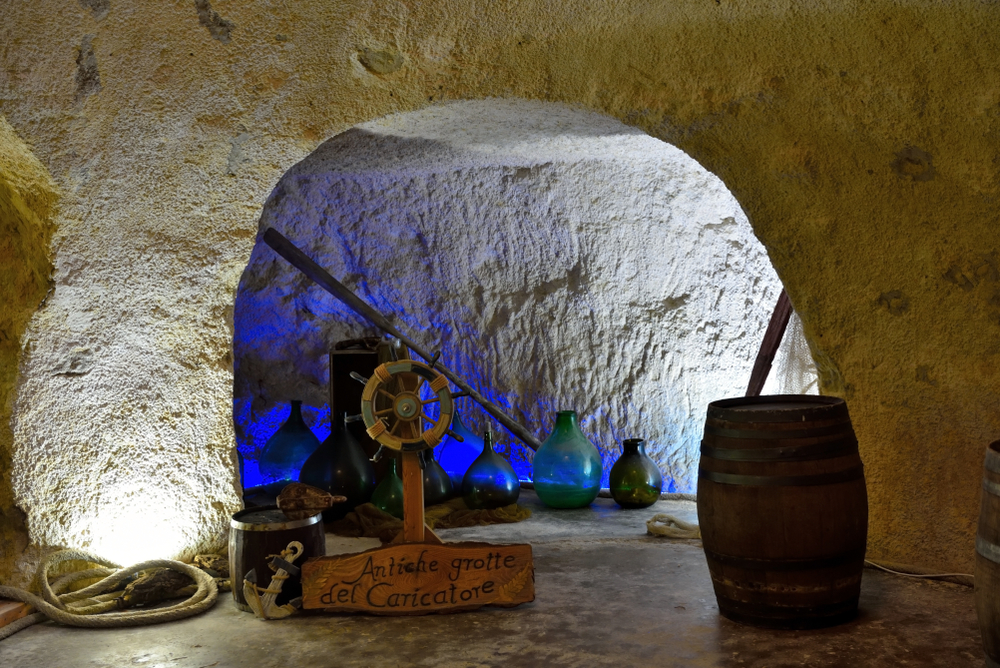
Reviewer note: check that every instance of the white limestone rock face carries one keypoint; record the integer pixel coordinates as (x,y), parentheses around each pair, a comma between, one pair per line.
(557,258)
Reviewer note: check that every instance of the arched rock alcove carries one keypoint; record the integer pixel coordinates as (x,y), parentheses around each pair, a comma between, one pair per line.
(558,258)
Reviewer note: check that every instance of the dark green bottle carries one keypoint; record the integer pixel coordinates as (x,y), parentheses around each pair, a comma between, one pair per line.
(635,479)
(341,467)
(437,484)
(388,496)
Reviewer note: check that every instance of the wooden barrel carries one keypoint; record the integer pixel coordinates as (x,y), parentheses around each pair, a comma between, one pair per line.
(988,557)
(257,534)
(783,510)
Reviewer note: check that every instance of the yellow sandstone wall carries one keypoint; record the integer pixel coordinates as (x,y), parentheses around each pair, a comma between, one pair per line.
(27,202)
(861,138)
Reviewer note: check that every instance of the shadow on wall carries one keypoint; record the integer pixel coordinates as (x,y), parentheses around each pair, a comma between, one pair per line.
(27,202)
(558,258)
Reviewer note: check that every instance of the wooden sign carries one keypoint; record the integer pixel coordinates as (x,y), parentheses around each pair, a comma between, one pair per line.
(420,578)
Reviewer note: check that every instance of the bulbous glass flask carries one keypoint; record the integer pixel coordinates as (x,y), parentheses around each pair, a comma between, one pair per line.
(567,469)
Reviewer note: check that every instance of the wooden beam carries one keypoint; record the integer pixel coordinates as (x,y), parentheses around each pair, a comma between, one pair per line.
(11,611)
(769,346)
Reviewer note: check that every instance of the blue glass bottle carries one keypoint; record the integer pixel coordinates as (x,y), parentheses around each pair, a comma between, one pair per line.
(288,449)
(456,457)
(567,469)
(491,481)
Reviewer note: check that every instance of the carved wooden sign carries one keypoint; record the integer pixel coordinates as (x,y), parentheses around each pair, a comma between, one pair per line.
(420,578)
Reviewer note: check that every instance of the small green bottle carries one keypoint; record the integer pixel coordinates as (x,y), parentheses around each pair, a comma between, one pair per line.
(635,479)
(388,496)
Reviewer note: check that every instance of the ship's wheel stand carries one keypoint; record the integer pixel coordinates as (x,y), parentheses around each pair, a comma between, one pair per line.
(395,417)
(417,573)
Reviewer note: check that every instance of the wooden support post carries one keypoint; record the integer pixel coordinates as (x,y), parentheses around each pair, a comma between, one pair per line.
(769,346)
(413,499)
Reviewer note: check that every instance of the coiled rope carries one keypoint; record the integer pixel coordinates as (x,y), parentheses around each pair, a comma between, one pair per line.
(89,607)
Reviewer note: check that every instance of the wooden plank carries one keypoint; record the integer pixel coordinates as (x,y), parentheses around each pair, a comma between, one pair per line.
(769,346)
(413,499)
(418,579)
(11,611)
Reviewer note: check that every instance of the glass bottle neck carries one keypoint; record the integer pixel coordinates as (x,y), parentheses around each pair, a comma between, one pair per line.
(296,412)
(633,446)
(566,421)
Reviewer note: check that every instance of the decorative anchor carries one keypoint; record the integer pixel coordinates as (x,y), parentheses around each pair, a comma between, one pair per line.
(263,606)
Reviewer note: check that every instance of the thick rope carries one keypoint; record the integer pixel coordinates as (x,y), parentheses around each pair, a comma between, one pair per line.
(53,604)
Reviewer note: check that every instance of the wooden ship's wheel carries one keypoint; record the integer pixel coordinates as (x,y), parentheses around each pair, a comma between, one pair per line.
(396,417)
(394,413)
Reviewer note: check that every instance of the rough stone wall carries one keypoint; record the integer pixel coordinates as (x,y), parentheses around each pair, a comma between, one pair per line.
(859,137)
(27,204)
(557,258)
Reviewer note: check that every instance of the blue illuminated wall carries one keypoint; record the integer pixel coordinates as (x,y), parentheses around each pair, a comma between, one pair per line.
(557,258)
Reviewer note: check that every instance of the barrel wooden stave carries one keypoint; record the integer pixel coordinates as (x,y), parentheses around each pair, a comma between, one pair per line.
(251,549)
(988,557)
(790,554)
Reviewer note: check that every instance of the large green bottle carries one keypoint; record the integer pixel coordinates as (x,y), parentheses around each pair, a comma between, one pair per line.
(567,469)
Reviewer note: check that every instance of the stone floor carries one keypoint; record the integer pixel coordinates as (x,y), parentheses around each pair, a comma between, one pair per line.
(606,595)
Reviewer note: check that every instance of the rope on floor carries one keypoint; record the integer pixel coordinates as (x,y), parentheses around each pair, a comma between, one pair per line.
(90,607)
(669,526)
(962,578)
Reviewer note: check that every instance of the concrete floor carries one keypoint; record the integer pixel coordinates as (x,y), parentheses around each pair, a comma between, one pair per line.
(606,595)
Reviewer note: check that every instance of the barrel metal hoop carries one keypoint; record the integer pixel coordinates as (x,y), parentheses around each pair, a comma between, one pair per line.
(801,453)
(855,555)
(987,550)
(847,475)
(830,430)
(778,408)
(991,487)
(789,617)
(275,526)
(992,461)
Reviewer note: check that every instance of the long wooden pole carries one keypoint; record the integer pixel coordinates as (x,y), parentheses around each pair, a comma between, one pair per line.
(286,249)
(769,346)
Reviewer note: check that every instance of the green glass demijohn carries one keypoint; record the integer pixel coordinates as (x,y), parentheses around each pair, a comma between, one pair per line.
(491,481)
(437,484)
(287,450)
(388,496)
(636,481)
(341,467)
(567,469)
